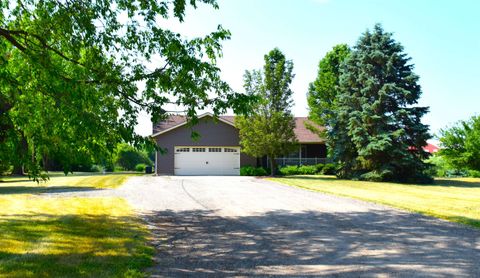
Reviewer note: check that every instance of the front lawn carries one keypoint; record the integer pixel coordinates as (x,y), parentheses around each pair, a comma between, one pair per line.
(455,200)
(55,236)
(58,181)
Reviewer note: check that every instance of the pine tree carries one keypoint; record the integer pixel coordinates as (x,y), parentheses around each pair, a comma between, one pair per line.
(379,130)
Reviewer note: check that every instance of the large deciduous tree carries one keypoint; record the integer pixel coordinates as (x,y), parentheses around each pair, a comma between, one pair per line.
(461,144)
(379,130)
(268,130)
(322,93)
(74,74)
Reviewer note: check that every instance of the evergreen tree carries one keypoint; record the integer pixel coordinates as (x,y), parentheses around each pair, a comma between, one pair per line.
(268,130)
(379,130)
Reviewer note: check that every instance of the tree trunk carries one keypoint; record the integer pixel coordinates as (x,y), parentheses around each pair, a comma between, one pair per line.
(17,170)
(272,166)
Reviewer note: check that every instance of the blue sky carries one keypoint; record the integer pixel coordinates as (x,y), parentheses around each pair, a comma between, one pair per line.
(441,37)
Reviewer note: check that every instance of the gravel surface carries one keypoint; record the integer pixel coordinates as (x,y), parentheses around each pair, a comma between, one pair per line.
(242,226)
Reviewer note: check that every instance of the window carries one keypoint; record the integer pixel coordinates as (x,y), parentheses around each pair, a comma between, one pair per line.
(198,150)
(183,150)
(215,150)
(230,150)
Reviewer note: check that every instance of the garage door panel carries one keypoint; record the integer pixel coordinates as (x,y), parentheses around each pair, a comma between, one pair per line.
(211,160)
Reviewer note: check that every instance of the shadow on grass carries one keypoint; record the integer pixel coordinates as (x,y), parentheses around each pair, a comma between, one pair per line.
(310,177)
(72,246)
(311,243)
(450,182)
(4,190)
(457,183)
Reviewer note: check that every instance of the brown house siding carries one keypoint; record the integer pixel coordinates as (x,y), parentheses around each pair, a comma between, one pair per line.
(212,133)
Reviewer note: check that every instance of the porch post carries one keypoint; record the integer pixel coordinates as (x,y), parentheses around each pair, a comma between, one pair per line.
(300,155)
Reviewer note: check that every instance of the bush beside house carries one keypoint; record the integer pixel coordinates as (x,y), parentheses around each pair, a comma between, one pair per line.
(253,171)
(319,169)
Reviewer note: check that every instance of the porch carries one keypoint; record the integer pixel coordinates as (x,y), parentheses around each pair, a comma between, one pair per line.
(307,154)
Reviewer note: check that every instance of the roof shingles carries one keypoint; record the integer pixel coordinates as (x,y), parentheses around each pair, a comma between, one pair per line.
(303,133)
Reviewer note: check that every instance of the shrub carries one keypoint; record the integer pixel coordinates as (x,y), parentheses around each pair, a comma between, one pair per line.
(289,170)
(5,168)
(96,168)
(456,173)
(140,167)
(474,173)
(128,157)
(307,170)
(438,167)
(299,170)
(319,167)
(118,169)
(329,169)
(260,171)
(253,171)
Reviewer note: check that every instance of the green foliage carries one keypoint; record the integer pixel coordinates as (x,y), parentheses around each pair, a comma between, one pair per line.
(439,166)
(140,167)
(73,76)
(118,169)
(252,171)
(319,167)
(474,173)
(268,128)
(96,168)
(322,93)
(461,144)
(129,157)
(307,170)
(329,169)
(289,170)
(299,170)
(377,131)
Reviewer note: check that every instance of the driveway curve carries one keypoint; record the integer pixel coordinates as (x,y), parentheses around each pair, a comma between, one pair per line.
(242,226)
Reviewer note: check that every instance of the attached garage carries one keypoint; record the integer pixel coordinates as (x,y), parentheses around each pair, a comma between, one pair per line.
(207,160)
(215,152)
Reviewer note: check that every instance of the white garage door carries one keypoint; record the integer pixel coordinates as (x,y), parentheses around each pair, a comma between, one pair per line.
(207,160)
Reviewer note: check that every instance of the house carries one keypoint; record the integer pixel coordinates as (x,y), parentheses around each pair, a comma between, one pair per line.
(217,151)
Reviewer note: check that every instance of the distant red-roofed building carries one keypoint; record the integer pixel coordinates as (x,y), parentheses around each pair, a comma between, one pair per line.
(431,148)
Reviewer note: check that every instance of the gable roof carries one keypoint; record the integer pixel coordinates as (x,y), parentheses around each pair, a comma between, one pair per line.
(174,121)
(304,135)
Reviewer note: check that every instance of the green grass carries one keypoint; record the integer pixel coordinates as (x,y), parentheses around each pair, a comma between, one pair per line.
(45,236)
(456,200)
(13,185)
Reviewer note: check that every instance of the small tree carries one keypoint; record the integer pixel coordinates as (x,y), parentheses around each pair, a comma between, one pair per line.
(268,130)
(461,144)
(128,157)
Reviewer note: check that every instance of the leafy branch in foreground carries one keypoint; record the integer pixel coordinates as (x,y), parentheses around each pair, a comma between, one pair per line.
(74,75)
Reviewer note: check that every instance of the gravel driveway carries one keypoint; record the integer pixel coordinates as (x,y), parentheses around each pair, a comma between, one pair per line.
(239,226)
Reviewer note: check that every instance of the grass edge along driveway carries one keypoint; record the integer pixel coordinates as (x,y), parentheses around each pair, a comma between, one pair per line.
(456,200)
(55,236)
